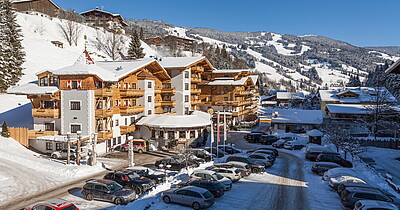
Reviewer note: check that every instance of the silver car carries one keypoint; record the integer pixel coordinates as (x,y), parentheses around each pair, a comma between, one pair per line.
(233,174)
(214,176)
(195,197)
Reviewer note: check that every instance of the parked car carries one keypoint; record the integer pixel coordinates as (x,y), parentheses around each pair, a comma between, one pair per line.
(233,174)
(147,173)
(195,197)
(322,167)
(138,145)
(215,153)
(335,159)
(213,176)
(243,167)
(229,149)
(264,158)
(312,155)
(280,143)
(334,172)
(266,152)
(293,145)
(176,164)
(256,166)
(200,153)
(351,195)
(374,205)
(334,182)
(190,157)
(63,154)
(268,139)
(131,180)
(253,137)
(54,204)
(343,186)
(106,190)
(214,187)
(269,148)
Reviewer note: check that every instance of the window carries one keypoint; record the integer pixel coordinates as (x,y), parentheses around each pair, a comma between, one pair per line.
(182,192)
(149,112)
(149,85)
(186,98)
(225,88)
(148,98)
(74,84)
(186,110)
(53,81)
(133,120)
(186,74)
(59,146)
(226,99)
(116,123)
(75,105)
(153,134)
(126,121)
(49,146)
(161,135)
(49,126)
(186,86)
(119,140)
(182,134)
(44,81)
(49,104)
(75,128)
(133,102)
(133,86)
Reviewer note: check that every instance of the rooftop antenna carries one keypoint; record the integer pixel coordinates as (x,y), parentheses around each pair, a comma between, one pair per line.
(85,37)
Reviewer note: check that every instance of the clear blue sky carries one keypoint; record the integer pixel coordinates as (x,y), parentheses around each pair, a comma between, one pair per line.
(359,22)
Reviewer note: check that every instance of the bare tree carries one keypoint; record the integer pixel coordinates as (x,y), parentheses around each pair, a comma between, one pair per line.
(111,43)
(71,31)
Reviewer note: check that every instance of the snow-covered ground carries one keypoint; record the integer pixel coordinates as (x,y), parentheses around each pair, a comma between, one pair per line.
(24,172)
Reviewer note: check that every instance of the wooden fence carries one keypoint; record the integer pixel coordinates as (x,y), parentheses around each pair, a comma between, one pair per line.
(21,135)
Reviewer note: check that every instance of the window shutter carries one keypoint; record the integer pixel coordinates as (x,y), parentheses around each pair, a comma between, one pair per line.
(42,104)
(55,105)
(69,84)
(79,84)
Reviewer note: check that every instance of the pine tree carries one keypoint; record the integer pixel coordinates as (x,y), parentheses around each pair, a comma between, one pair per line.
(4,131)
(135,50)
(11,54)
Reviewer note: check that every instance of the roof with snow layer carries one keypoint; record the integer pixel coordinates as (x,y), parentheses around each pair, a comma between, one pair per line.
(347,108)
(297,116)
(181,62)
(229,81)
(196,119)
(32,89)
(364,94)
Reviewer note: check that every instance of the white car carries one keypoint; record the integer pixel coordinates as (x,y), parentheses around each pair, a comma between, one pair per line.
(335,172)
(374,204)
(63,154)
(334,182)
(233,174)
(212,175)
(292,145)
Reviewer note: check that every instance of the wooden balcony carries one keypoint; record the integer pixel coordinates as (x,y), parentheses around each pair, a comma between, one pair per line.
(104,135)
(168,103)
(46,113)
(32,134)
(242,93)
(124,110)
(243,112)
(168,91)
(127,129)
(198,69)
(104,92)
(195,80)
(195,91)
(157,104)
(131,93)
(196,101)
(104,112)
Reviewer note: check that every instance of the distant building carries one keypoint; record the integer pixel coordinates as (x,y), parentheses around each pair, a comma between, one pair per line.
(292,120)
(180,43)
(43,6)
(96,17)
(289,99)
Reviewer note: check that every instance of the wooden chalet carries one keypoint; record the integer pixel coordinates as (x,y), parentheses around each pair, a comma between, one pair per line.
(43,6)
(104,19)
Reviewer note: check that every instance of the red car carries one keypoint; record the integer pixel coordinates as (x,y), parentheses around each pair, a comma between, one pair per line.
(56,204)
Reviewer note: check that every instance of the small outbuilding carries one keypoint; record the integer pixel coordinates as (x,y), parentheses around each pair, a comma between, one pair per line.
(315,136)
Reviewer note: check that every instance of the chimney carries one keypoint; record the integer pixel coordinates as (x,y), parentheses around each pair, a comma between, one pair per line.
(97,7)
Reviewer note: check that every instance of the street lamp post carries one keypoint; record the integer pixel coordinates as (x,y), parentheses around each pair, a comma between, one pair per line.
(130,152)
(69,148)
(78,148)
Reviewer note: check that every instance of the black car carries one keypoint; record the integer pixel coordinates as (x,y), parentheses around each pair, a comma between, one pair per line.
(192,160)
(280,143)
(267,152)
(213,186)
(176,164)
(253,137)
(321,168)
(214,152)
(256,166)
(334,159)
(131,180)
(200,153)
(312,155)
(106,190)
(268,139)
(144,172)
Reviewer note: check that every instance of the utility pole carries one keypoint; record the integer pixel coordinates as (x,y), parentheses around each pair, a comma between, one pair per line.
(78,148)
(69,148)
(130,152)
(94,152)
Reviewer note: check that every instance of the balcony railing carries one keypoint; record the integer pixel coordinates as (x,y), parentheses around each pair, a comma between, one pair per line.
(157,91)
(105,92)
(198,69)
(195,80)
(242,93)
(195,91)
(168,103)
(104,112)
(32,134)
(171,91)
(131,92)
(124,110)
(127,129)
(46,113)
(104,135)
(196,101)
(157,104)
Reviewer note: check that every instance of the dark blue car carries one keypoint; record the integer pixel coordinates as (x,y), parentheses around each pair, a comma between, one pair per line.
(106,190)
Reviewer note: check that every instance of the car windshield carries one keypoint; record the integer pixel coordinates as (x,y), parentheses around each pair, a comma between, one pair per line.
(218,176)
(114,187)
(133,176)
(281,141)
(207,195)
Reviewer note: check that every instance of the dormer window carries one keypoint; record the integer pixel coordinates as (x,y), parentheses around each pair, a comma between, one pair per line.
(44,81)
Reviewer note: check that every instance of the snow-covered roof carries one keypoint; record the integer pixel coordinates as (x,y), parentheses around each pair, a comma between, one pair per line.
(254,78)
(228,81)
(32,89)
(297,116)
(289,95)
(84,69)
(362,94)
(179,62)
(347,108)
(195,120)
(20,1)
(394,68)
(315,132)
(225,71)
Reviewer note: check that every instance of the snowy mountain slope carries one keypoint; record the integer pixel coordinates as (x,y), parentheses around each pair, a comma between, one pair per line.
(41,54)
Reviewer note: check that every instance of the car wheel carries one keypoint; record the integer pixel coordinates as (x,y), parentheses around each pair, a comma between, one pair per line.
(255,170)
(123,149)
(54,156)
(140,151)
(166,199)
(72,157)
(89,197)
(118,201)
(196,205)
(138,190)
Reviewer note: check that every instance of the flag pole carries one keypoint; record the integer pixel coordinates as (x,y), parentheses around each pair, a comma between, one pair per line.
(218,130)
(212,137)
(224,129)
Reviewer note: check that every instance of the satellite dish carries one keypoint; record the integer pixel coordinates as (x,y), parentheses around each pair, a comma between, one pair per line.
(210,111)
